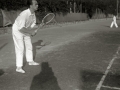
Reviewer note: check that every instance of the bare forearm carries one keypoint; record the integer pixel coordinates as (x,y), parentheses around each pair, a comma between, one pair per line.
(27,30)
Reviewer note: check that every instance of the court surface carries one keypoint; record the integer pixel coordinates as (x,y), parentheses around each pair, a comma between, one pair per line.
(76,56)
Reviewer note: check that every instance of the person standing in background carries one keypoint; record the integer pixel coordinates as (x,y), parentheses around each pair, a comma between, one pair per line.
(114,22)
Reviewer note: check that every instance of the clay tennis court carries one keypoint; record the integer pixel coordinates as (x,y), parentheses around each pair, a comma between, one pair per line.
(77,56)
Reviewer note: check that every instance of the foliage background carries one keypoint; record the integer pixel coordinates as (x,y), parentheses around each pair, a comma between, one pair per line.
(66,6)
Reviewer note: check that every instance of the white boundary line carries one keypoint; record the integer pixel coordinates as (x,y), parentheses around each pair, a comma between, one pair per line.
(105,74)
(111,87)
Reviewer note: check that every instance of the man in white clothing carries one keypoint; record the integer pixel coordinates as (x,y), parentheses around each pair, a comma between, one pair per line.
(114,22)
(22,29)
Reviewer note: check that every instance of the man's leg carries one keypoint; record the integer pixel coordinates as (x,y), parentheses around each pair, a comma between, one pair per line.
(116,25)
(19,50)
(111,24)
(29,51)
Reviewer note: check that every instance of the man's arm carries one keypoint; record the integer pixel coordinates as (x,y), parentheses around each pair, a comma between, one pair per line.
(29,30)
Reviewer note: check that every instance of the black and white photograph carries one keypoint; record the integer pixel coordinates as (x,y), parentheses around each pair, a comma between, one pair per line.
(59,45)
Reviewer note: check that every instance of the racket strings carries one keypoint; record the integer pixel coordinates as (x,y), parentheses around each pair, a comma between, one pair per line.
(48,18)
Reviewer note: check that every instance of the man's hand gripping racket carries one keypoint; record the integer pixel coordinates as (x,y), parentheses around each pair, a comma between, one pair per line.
(47,19)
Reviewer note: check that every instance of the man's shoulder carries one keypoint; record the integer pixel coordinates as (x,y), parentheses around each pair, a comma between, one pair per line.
(25,11)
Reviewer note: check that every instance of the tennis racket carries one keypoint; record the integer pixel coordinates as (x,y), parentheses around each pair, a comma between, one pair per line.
(46,20)
(50,17)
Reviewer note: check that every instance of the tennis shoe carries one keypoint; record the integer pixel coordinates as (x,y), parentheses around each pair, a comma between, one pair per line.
(20,70)
(33,63)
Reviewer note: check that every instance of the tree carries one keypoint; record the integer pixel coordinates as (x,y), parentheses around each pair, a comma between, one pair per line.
(64,6)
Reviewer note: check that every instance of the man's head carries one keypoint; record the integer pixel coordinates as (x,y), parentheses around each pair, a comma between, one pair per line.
(33,4)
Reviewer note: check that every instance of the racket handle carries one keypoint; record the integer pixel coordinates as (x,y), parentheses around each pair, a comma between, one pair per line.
(41,25)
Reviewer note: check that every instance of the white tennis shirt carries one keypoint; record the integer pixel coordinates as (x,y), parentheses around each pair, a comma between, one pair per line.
(114,19)
(25,19)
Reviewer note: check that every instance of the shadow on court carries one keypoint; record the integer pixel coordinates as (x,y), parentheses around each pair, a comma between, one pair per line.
(90,79)
(112,80)
(113,77)
(1,72)
(45,80)
(38,43)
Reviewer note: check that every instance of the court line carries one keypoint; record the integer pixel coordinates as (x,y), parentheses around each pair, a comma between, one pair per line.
(105,74)
(111,87)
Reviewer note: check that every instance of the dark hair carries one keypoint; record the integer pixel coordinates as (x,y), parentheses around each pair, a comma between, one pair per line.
(29,2)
